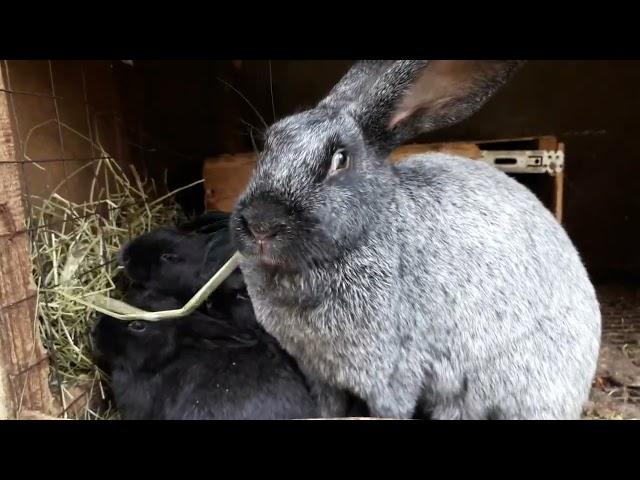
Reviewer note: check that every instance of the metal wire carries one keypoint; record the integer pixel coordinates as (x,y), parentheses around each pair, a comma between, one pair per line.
(32,94)
(146,148)
(62,222)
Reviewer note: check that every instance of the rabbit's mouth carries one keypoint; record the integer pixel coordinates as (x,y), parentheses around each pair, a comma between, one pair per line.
(269,261)
(263,252)
(267,254)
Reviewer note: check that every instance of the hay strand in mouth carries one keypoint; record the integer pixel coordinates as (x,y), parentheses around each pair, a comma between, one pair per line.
(123,311)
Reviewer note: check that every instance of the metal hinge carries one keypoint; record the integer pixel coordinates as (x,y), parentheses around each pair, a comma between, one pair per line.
(525,161)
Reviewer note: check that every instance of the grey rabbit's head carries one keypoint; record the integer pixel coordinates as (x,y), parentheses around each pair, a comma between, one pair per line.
(323,175)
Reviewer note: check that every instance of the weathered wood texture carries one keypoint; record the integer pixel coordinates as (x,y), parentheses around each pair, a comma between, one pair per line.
(24,366)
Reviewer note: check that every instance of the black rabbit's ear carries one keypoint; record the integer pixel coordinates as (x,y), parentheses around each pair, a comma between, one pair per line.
(208,222)
(218,250)
(214,227)
(410,97)
(199,327)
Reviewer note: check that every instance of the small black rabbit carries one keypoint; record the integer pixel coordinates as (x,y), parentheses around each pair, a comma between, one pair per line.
(197,368)
(166,260)
(179,261)
(172,264)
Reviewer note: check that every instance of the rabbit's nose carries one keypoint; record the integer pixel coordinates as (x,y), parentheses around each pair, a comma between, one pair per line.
(264,218)
(261,228)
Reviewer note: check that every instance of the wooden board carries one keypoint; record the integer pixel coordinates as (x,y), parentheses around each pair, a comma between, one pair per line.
(24,365)
(225,178)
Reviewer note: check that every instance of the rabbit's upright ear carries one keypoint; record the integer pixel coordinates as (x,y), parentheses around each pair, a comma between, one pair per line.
(405,98)
(356,83)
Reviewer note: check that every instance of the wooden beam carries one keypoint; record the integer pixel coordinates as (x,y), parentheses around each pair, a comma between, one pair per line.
(24,375)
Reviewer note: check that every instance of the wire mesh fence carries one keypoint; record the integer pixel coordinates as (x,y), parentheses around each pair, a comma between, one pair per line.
(86,188)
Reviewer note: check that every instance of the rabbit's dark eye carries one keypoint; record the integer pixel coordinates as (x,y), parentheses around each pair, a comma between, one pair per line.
(169,257)
(137,326)
(339,161)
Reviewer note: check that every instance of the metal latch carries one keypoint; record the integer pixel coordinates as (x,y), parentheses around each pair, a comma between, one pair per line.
(525,161)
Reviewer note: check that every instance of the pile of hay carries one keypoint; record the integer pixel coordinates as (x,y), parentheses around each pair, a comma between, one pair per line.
(74,247)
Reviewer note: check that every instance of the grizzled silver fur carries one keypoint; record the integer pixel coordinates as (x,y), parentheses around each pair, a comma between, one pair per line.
(438,284)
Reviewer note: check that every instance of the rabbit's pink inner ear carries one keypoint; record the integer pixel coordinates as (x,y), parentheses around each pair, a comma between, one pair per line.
(398,117)
(436,86)
(448,91)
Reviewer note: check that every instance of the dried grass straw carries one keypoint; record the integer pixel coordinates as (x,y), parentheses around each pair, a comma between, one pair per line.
(74,246)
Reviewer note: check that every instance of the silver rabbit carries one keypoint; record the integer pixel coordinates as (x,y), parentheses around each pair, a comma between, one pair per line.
(438,286)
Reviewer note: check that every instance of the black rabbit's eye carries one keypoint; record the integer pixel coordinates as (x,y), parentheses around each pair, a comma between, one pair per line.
(169,257)
(137,326)
(339,161)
